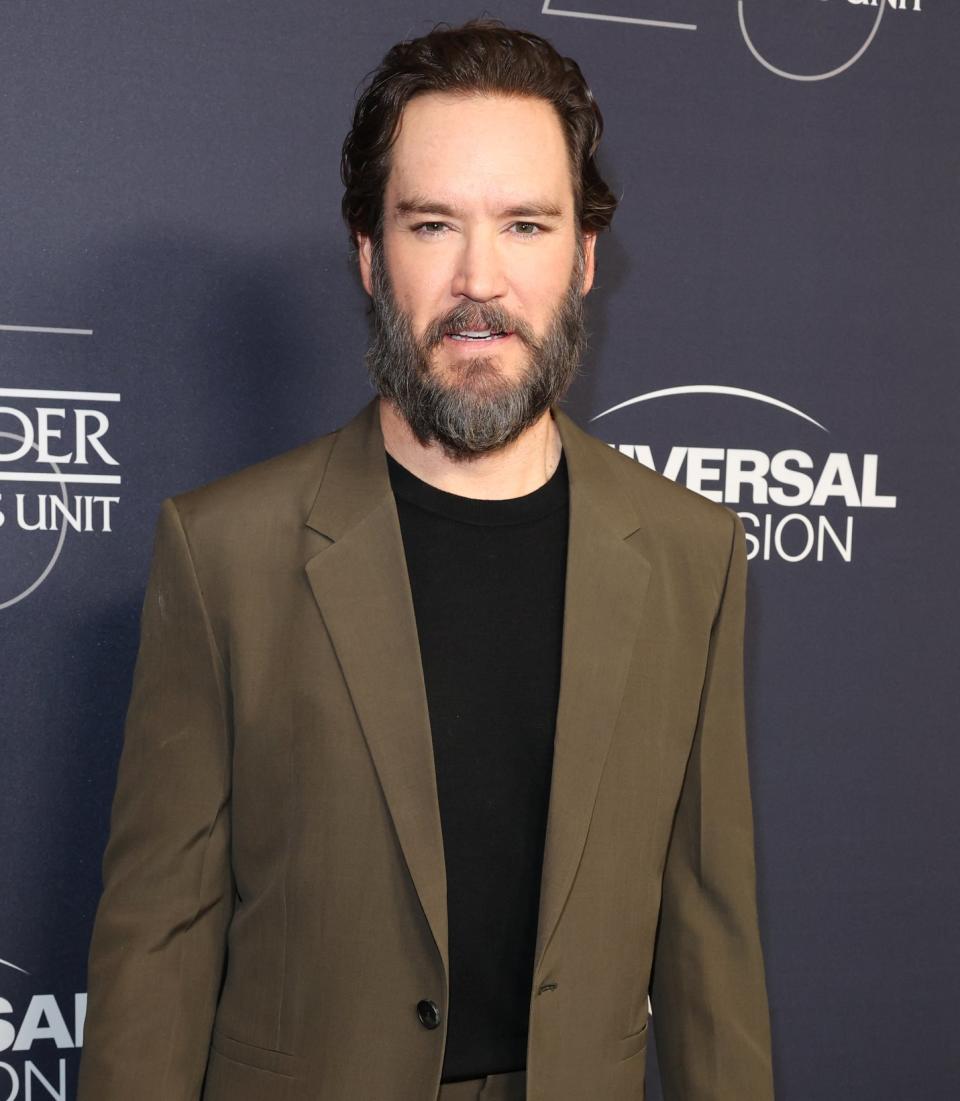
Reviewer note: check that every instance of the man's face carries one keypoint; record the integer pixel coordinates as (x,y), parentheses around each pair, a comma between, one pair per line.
(478,235)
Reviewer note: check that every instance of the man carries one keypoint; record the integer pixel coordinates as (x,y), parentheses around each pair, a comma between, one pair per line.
(435,762)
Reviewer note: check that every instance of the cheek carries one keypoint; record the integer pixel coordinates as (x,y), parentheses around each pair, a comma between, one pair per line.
(541,280)
(417,287)
(540,299)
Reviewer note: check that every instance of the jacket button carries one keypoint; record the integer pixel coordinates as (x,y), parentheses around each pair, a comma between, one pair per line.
(428,1013)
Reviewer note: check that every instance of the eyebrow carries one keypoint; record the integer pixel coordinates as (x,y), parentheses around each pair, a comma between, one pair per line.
(420,204)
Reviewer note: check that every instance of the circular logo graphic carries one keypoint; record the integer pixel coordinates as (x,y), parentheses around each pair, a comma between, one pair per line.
(7,600)
(836,71)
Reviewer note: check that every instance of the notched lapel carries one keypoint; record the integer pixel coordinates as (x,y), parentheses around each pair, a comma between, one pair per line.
(361,586)
(604,595)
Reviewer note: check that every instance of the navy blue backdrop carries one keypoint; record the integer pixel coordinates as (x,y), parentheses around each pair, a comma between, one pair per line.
(775,323)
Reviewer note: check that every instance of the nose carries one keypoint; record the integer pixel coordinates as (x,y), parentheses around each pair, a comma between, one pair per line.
(479,273)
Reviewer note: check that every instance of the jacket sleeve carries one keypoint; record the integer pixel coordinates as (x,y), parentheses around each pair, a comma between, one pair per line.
(157,952)
(708,988)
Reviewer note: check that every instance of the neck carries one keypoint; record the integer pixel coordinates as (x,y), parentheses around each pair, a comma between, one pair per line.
(519,468)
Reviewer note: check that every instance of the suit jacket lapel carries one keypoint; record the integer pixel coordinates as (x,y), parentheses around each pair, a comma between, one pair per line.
(361,585)
(605,587)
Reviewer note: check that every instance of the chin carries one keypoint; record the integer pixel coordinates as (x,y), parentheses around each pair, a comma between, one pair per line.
(489,365)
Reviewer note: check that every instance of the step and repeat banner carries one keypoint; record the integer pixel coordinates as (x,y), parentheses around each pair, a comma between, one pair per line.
(775,325)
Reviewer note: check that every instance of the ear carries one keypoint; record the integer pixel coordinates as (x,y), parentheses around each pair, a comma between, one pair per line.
(589,266)
(365,257)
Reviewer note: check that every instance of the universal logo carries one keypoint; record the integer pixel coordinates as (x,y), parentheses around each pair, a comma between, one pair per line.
(796,504)
(686,9)
(57,475)
(37,1033)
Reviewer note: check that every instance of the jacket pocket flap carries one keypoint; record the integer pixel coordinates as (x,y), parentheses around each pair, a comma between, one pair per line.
(277,1062)
(633,1043)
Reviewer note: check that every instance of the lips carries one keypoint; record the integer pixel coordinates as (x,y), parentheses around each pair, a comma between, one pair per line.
(477,334)
(467,336)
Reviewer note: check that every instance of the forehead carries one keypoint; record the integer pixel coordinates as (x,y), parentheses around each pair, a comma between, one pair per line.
(479,150)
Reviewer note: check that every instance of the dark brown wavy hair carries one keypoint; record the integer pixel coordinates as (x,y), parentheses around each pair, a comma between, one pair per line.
(483,56)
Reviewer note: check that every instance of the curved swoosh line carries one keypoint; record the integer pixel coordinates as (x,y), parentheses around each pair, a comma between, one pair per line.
(6,963)
(815,76)
(734,391)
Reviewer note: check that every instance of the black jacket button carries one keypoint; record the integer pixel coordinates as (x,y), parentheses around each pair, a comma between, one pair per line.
(428,1013)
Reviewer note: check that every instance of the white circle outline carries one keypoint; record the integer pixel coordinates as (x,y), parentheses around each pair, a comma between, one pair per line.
(815,76)
(63,531)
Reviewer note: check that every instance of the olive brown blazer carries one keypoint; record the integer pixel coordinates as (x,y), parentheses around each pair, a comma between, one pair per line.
(274,905)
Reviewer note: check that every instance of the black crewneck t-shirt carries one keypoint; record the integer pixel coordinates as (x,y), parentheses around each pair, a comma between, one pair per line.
(487,579)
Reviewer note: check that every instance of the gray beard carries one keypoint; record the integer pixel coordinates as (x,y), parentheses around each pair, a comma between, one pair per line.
(481,411)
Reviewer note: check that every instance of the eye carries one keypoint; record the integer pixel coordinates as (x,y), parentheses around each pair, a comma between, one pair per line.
(436,229)
(424,231)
